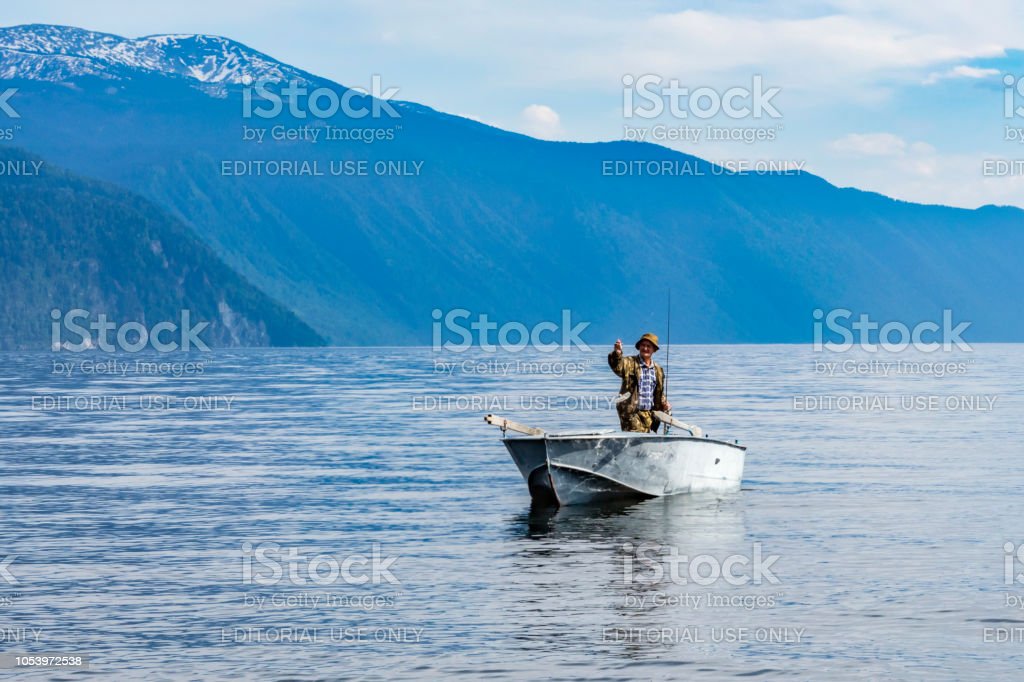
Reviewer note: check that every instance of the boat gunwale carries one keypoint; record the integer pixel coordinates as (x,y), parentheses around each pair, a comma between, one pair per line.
(622,435)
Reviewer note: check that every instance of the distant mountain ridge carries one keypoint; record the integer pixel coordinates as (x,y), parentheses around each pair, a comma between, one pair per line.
(59,53)
(71,243)
(500,223)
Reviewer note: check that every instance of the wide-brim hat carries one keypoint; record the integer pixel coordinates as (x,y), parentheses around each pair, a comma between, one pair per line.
(647,337)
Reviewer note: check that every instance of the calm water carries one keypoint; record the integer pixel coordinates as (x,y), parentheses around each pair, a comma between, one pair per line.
(884,527)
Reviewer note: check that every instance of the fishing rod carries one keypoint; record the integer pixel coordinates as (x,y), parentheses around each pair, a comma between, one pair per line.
(668,348)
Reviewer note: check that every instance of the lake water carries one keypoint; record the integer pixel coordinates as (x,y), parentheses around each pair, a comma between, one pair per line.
(147,514)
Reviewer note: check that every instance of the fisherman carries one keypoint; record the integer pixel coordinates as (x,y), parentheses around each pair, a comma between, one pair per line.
(643,385)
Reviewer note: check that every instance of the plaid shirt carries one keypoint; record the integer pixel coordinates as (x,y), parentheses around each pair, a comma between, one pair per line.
(645,390)
(628,368)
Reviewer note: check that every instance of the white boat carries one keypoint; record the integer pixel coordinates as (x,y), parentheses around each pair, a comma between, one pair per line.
(590,467)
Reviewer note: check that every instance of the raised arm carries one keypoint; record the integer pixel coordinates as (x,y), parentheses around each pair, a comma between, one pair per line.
(615,358)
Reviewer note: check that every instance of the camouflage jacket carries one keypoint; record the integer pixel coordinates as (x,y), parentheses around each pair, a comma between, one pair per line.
(628,367)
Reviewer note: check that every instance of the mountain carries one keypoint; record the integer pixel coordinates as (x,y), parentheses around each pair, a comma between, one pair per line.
(468,216)
(58,54)
(68,242)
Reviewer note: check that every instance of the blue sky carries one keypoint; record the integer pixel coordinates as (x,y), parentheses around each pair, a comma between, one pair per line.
(903,98)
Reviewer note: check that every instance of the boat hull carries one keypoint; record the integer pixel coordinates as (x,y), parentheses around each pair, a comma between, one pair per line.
(587,468)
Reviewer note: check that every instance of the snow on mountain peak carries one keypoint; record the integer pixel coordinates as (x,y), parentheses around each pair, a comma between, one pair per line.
(60,53)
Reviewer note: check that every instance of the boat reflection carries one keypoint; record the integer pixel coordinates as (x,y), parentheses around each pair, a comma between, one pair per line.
(676,570)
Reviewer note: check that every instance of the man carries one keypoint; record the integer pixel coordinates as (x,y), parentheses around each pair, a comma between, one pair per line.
(644,381)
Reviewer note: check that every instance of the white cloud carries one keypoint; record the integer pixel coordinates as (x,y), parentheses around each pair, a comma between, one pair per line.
(540,120)
(846,49)
(961,71)
(870,144)
(803,50)
(949,179)
(918,172)
(907,160)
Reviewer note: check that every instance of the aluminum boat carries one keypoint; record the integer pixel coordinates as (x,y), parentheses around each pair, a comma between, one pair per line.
(592,467)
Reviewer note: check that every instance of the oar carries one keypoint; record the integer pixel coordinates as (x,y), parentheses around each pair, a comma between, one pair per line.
(509,425)
(695,431)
